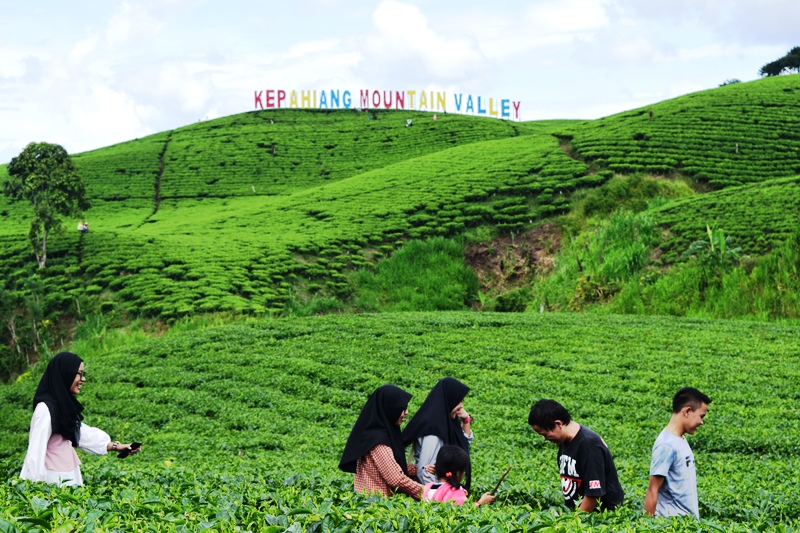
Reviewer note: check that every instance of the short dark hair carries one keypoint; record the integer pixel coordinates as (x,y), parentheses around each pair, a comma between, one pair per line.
(450,460)
(544,414)
(689,396)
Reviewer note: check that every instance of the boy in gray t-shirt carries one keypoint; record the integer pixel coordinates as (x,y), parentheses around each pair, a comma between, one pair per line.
(672,490)
(673,460)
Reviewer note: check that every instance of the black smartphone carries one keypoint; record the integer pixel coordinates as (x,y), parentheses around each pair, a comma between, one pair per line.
(126,452)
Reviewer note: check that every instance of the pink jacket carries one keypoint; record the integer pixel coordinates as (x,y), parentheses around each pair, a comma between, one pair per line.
(444,492)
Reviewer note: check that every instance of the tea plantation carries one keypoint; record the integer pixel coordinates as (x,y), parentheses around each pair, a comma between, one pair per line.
(760,216)
(727,136)
(244,254)
(244,216)
(243,424)
(246,213)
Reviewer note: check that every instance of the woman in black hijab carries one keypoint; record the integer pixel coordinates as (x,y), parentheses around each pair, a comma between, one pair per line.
(440,420)
(57,427)
(374,451)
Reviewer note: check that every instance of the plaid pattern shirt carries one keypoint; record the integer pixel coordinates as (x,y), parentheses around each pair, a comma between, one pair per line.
(378,472)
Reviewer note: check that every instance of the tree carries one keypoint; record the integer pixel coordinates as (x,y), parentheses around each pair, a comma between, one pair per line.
(44,175)
(789,62)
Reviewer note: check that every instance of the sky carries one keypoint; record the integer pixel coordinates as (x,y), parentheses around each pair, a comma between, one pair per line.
(90,73)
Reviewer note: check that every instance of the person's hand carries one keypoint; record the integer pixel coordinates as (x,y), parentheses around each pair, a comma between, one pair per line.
(487,498)
(462,414)
(128,447)
(431,469)
(118,447)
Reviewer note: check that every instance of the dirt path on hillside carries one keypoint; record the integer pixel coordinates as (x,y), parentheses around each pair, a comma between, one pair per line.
(509,262)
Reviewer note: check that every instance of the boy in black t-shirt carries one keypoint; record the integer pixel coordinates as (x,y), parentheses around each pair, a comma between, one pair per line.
(588,475)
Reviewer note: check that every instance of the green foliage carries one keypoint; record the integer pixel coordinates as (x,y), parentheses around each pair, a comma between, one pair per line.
(593,267)
(715,256)
(760,216)
(633,193)
(789,62)
(44,176)
(243,423)
(425,275)
(732,135)
(714,284)
(513,301)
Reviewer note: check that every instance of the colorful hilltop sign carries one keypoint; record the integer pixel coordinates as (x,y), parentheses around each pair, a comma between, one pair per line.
(465,104)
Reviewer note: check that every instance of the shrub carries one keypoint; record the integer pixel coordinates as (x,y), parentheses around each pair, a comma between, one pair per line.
(513,301)
(425,275)
(595,265)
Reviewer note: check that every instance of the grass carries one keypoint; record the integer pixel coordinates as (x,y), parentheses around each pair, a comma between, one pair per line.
(425,275)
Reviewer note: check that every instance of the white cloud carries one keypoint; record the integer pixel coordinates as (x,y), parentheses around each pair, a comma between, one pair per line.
(635,49)
(567,17)
(734,21)
(311,47)
(112,115)
(10,66)
(137,66)
(405,42)
(681,87)
(83,49)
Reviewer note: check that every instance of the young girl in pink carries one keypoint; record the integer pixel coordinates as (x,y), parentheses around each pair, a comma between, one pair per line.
(451,464)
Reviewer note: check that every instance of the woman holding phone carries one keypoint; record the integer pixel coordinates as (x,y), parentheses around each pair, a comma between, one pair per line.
(57,427)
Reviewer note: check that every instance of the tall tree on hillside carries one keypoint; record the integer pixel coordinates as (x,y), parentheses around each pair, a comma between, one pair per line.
(789,62)
(44,175)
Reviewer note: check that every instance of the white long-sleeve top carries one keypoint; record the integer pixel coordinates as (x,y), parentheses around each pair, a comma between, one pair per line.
(51,458)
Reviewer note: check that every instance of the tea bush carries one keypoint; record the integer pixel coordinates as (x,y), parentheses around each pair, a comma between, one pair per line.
(243,424)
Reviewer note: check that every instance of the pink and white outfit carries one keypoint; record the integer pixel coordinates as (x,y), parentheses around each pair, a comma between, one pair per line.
(51,458)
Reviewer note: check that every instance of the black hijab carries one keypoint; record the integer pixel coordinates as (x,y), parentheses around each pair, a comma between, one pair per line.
(433,417)
(377,424)
(53,390)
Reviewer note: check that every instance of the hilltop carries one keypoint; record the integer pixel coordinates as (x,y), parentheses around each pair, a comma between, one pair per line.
(257,212)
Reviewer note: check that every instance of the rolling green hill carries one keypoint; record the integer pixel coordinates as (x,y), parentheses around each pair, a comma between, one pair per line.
(244,252)
(270,153)
(244,213)
(736,134)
